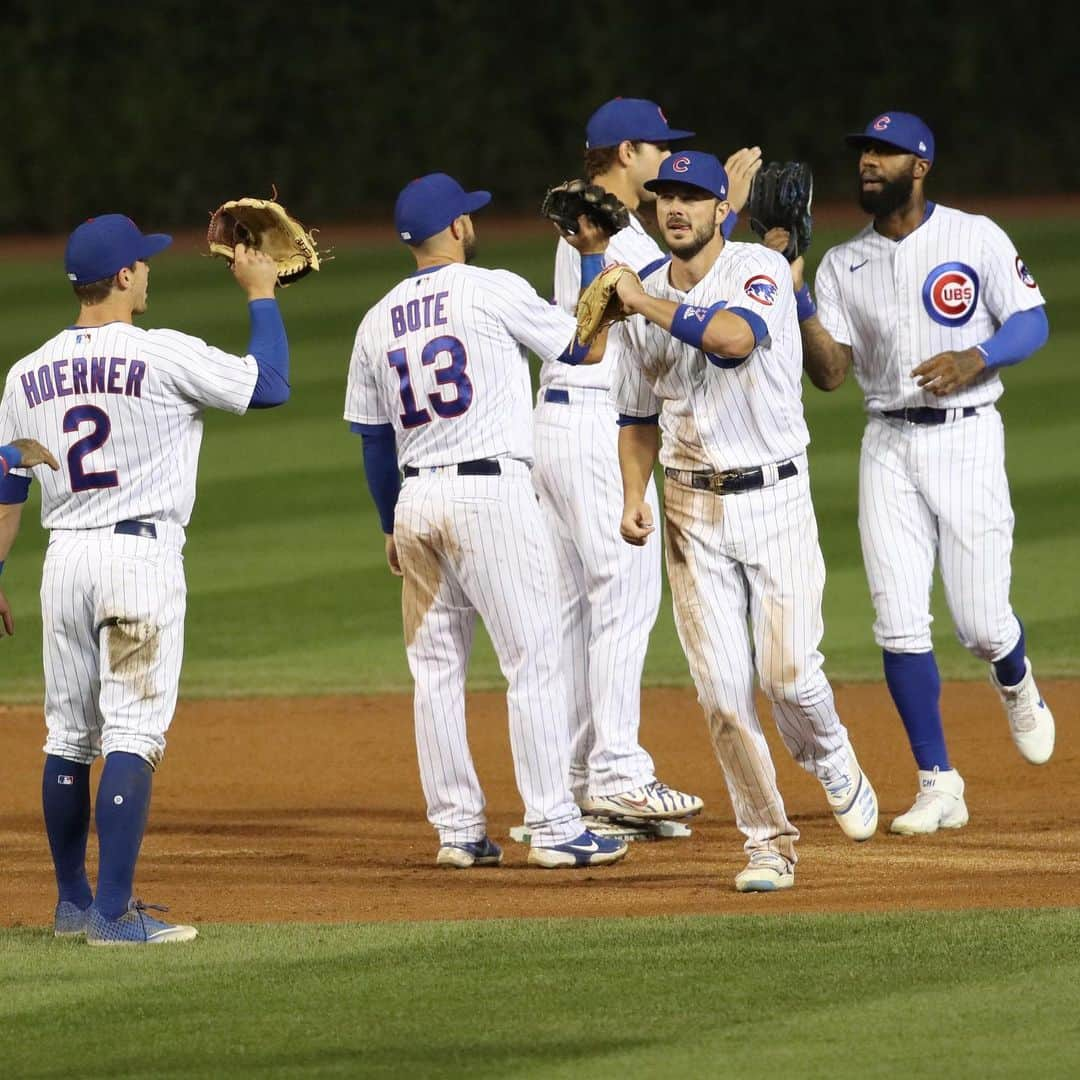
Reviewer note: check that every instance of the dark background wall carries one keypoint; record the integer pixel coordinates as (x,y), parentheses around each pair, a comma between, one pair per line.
(164,109)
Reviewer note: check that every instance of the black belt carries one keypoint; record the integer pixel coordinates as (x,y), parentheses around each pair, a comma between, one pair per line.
(557,397)
(730,480)
(145,529)
(927,415)
(483,467)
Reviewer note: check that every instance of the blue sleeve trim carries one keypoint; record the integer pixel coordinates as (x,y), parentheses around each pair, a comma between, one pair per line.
(573,355)
(591,265)
(1017,338)
(10,458)
(758,326)
(652,267)
(625,420)
(727,227)
(270,347)
(14,489)
(381,470)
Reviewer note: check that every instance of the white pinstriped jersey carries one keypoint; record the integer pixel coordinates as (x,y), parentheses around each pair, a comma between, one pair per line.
(121,409)
(742,414)
(946,286)
(443,357)
(633,246)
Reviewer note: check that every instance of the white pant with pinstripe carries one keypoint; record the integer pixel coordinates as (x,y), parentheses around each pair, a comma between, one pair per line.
(938,492)
(610,591)
(754,556)
(113,626)
(472,545)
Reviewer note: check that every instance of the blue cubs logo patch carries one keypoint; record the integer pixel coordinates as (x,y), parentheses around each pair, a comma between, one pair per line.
(950,293)
(1024,273)
(680,164)
(762,289)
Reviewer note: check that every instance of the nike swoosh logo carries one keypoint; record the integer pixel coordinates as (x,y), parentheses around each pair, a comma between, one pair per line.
(856,266)
(592,847)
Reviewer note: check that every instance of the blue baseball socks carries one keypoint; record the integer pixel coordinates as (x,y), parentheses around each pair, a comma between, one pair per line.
(123,803)
(915,685)
(65,801)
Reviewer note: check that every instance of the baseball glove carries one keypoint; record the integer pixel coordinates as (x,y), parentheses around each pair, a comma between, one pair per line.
(599,305)
(563,204)
(264,224)
(780,197)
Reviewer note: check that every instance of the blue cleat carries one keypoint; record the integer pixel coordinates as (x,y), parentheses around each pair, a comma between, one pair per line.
(69,920)
(462,856)
(588,849)
(134,927)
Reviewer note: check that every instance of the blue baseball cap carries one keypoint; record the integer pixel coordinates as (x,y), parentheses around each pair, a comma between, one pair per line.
(903,130)
(430,203)
(101,246)
(693,167)
(629,118)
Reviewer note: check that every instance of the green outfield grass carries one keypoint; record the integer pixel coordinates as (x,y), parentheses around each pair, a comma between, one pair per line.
(963,995)
(288,591)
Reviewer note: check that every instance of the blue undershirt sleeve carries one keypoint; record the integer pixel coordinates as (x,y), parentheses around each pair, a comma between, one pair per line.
(270,347)
(381,469)
(1017,338)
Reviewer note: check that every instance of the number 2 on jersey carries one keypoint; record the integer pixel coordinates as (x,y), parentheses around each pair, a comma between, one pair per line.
(451,374)
(98,437)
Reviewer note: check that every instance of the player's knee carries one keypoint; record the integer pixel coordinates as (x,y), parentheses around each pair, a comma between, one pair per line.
(150,747)
(70,749)
(988,642)
(894,637)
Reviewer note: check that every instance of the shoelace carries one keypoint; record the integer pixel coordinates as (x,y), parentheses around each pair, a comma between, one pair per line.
(139,906)
(837,787)
(769,859)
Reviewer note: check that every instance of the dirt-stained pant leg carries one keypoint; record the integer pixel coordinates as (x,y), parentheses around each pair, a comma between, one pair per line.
(711,599)
(114,637)
(494,553)
(785,571)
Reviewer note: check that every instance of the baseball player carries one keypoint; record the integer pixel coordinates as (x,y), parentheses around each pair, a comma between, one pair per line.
(439,385)
(610,592)
(712,359)
(127,404)
(927,304)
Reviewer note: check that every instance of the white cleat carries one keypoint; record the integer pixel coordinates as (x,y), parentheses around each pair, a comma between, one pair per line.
(1030,720)
(939,805)
(766,872)
(853,802)
(653,802)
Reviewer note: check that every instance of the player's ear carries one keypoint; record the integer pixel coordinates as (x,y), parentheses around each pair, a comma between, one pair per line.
(922,167)
(626,152)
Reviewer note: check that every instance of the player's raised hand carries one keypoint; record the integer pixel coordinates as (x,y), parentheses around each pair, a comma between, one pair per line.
(630,292)
(636,524)
(949,371)
(7,620)
(590,238)
(777,240)
(33,453)
(255,272)
(741,168)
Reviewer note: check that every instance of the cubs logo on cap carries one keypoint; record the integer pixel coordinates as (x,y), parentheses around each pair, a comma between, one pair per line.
(693,167)
(905,131)
(680,164)
(1025,274)
(950,293)
(761,288)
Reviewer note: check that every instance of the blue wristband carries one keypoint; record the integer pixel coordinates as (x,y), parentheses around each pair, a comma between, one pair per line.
(689,323)
(11,456)
(804,304)
(591,265)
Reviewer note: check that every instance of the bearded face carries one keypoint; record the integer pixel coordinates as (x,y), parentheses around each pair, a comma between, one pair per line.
(886,180)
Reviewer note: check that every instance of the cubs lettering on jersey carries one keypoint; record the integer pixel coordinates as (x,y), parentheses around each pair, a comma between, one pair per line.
(947,286)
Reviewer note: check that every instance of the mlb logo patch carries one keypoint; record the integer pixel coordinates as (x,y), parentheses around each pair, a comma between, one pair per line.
(1025,274)
(761,288)
(950,293)
(65,781)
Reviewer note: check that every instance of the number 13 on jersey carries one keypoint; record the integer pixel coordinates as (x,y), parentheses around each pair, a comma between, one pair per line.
(447,354)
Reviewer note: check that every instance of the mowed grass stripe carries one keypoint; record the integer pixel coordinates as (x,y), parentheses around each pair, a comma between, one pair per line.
(285,560)
(983,994)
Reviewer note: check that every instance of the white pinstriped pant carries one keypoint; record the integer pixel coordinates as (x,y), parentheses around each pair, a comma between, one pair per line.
(473,545)
(610,591)
(938,492)
(754,556)
(113,626)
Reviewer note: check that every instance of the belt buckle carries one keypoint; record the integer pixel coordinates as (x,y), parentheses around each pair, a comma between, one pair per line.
(719,479)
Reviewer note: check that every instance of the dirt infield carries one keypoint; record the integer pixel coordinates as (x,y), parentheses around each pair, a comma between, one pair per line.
(310,809)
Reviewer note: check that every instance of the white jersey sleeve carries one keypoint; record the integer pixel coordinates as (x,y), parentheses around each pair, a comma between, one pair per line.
(766,283)
(631,392)
(365,401)
(567,276)
(1008,285)
(203,374)
(529,319)
(829,303)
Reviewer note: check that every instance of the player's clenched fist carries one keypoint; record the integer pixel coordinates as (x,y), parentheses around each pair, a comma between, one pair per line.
(255,272)
(636,524)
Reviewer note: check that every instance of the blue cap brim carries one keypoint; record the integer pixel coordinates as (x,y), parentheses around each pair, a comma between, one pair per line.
(655,185)
(153,243)
(476,200)
(674,134)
